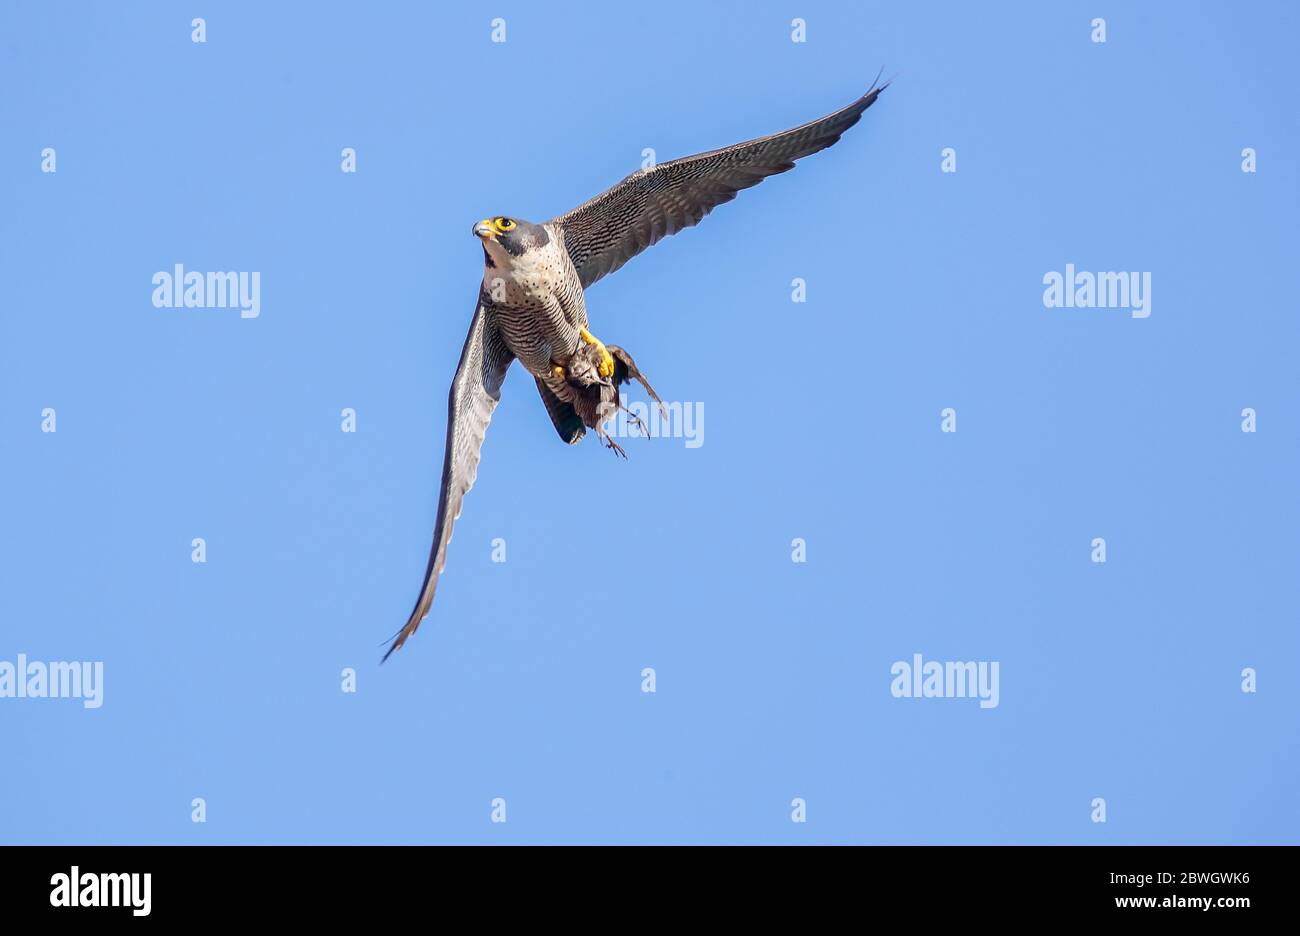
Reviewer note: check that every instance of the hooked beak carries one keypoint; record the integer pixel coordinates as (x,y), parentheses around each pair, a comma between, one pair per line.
(485,229)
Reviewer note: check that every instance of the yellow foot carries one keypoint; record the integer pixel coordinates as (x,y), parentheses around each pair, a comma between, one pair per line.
(558,371)
(606,367)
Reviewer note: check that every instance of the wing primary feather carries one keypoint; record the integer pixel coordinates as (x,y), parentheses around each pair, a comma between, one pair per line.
(605,232)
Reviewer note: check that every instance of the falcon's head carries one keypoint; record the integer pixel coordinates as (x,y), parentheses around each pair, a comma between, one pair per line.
(505,239)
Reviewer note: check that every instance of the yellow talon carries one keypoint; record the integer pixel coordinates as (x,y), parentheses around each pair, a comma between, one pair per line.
(558,371)
(606,368)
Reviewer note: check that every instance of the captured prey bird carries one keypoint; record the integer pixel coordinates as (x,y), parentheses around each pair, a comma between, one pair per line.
(595,397)
(531,306)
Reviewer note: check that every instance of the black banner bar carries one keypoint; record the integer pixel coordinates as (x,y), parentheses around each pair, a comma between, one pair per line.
(189,884)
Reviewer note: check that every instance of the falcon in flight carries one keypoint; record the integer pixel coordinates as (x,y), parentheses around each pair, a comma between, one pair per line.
(531,306)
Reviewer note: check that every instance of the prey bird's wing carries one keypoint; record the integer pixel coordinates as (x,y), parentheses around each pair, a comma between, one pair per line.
(615,226)
(625,369)
(475,390)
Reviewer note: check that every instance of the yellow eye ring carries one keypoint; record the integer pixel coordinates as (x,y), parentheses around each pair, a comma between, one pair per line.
(505,224)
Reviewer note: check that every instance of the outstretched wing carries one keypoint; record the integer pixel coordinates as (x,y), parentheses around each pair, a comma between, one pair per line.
(615,226)
(625,369)
(475,391)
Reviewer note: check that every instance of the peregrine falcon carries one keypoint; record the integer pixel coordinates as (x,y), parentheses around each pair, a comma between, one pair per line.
(531,306)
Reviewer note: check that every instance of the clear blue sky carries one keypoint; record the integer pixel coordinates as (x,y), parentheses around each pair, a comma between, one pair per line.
(822,421)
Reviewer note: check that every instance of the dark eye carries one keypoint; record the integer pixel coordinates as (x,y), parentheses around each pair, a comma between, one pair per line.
(505,224)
